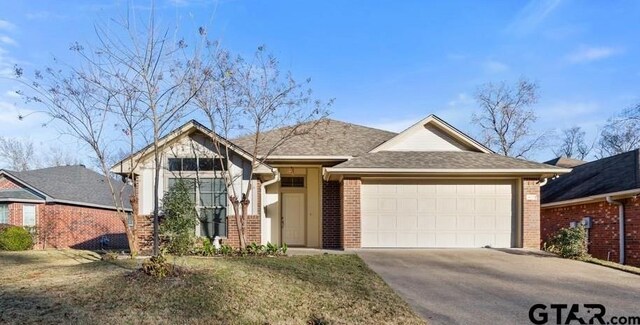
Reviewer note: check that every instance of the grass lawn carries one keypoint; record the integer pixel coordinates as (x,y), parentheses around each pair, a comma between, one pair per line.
(75,286)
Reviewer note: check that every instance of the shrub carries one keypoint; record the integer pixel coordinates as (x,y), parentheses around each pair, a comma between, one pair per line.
(14,238)
(179,221)
(568,243)
(157,267)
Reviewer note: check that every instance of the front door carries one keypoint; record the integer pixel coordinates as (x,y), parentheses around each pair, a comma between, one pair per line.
(293,219)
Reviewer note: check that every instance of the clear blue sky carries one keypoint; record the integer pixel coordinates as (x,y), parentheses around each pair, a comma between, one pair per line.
(387,63)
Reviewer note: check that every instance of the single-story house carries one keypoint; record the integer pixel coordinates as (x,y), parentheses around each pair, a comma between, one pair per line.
(604,193)
(67,206)
(347,186)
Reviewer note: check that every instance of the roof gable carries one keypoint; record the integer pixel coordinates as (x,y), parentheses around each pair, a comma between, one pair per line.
(124,166)
(431,134)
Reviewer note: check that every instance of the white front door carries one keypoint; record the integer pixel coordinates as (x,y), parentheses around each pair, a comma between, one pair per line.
(293,219)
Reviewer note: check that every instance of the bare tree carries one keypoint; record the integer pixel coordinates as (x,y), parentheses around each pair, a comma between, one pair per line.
(17,154)
(132,76)
(58,156)
(253,96)
(574,144)
(506,119)
(619,135)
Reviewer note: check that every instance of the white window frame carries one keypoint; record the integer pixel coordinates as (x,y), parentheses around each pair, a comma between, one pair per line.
(35,215)
(4,210)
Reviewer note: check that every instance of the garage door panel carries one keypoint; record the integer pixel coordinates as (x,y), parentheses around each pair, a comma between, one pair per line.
(370,223)
(427,222)
(387,205)
(426,239)
(446,204)
(437,213)
(465,223)
(427,205)
(446,222)
(407,222)
(407,239)
(466,204)
(407,206)
(387,222)
(387,239)
(485,222)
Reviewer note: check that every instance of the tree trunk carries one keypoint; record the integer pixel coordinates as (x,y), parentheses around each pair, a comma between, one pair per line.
(237,213)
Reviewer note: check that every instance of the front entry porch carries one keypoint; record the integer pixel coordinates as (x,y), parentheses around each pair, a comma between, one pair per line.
(293,208)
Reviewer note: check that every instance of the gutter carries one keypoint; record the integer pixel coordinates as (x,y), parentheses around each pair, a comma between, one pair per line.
(621,223)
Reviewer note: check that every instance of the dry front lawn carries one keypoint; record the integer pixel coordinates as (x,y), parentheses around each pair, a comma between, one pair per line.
(76,287)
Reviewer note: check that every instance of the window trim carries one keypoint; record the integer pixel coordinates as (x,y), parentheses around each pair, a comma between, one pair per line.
(5,210)
(35,215)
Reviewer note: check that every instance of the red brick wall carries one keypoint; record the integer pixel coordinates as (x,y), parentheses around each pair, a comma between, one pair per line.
(331,215)
(531,214)
(632,231)
(80,227)
(144,233)
(350,197)
(604,233)
(6,184)
(252,231)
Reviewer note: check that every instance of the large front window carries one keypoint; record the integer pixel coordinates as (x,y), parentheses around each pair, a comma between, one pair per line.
(210,195)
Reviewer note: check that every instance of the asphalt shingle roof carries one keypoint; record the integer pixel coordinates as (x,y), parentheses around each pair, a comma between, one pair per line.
(328,138)
(565,162)
(20,194)
(439,160)
(612,174)
(74,183)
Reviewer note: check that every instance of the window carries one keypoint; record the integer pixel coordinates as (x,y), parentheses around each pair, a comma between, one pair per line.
(4,213)
(292,182)
(130,219)
(28,215)
(195,164)
(211,201)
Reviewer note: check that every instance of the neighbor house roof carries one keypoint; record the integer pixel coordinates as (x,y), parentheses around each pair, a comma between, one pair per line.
(608,175)
(565,162)
(459,160)
(320,138)
(18,195)
(76,185)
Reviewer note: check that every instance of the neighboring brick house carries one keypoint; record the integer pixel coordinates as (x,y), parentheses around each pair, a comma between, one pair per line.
(67,206)
(347,186)
(606,191)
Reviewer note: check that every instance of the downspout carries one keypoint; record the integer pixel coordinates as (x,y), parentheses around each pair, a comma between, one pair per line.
(621,222)
(263,191)
(543,182)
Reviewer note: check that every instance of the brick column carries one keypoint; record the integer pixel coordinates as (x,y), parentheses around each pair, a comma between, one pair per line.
(350,197)
(531,214)
(331,215)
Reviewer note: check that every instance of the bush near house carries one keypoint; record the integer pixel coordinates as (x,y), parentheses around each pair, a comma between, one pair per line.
(15,238)
(569,243)
(179,220)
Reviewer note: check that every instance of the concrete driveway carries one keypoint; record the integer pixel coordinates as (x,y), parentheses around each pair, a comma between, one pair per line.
(488,286)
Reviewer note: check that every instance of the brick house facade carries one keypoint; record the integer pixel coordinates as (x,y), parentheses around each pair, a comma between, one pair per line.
(586,192)
(604,235)
(61,224)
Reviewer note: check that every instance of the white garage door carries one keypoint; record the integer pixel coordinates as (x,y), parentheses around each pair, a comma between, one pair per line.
(437,213)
